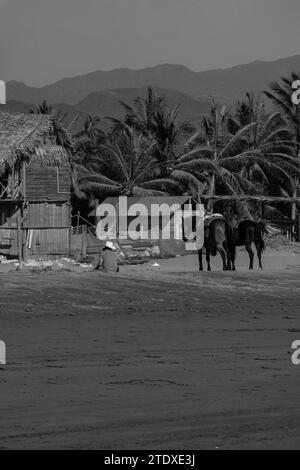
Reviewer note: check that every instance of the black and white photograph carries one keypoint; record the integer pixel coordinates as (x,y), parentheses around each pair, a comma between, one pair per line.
(150,227)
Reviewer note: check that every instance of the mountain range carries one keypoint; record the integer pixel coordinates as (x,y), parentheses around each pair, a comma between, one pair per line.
(99,93)
(105,104)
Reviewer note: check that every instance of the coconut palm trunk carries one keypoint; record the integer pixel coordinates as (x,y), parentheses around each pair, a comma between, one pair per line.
(212,192)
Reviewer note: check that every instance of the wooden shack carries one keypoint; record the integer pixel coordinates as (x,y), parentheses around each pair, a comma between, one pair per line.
(35,188)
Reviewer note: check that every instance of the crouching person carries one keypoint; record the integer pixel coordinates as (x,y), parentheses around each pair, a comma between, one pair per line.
(108,261)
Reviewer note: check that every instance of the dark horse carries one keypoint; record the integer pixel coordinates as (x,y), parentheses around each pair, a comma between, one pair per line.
(218,238)
(248,232)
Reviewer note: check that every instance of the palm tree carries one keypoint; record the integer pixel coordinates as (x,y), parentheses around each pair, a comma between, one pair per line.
(124,167)
(90,130)
(237,155)
(88,140)
(151,117)
(142,114)
(43,108)
(215,143)
(175,168)
(60,134)
(281,95)
(271,136)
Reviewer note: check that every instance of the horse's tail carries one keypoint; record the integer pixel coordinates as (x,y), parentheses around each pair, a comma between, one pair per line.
(230,241)
(259,231)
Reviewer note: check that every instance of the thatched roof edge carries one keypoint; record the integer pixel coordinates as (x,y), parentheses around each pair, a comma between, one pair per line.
(28,138)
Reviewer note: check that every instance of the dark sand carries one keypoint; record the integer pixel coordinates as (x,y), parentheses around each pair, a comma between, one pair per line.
(153,358)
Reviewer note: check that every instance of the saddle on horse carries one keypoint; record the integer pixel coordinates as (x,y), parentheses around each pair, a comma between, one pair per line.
(209,218)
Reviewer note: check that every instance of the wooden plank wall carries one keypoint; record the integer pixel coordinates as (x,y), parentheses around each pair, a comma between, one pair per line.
(8,233)
(47,183)
(46,214)
(38,242)
(54,239)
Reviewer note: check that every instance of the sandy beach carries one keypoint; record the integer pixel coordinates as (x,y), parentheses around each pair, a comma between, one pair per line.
(153,358)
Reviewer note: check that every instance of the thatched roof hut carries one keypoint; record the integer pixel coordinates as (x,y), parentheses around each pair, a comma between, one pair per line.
(29,138)
(35,185)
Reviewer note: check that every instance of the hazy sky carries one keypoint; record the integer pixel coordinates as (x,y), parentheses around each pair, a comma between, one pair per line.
(45,40)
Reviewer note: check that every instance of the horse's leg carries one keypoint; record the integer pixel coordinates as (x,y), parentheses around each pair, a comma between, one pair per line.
(233,263)
(230,248)
(230,262)
(208,259)
(251,256)
(200,260)
(222,252)
(232,258)
(259,254)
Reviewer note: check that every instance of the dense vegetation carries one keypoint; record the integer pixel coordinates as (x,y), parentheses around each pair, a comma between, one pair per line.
(247,149)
